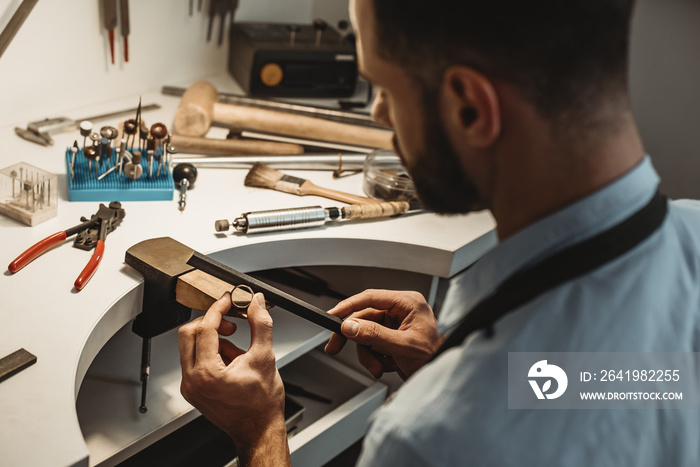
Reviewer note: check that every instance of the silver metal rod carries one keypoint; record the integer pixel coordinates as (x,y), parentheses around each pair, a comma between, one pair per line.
(350,162)
(281,219)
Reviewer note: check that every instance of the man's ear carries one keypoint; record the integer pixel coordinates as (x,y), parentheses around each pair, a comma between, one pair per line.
(470,107)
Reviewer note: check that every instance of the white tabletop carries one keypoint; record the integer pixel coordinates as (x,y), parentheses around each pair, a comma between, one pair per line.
(65,329)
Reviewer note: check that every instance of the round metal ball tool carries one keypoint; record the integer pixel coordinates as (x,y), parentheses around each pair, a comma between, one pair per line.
(184,176)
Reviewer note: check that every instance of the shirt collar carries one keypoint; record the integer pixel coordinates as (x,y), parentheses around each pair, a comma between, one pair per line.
(572,224)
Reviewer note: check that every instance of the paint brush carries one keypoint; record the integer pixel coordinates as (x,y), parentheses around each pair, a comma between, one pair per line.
(263,176)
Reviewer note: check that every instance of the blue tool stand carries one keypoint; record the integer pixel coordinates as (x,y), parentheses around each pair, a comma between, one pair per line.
(84,185)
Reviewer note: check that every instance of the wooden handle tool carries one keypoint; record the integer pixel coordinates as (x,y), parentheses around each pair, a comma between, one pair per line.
(228,147)
(200,106)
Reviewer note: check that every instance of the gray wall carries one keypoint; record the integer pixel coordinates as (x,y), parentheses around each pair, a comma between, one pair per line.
(665,88)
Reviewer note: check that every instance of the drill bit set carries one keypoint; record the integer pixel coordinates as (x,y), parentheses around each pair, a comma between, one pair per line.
(132,163)
(28,194)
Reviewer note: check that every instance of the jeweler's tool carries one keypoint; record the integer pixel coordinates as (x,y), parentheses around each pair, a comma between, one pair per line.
(130,130)
(263,176)
(133,168)
(74,150)
(90,234)
(310,216)
(304,143)
(90,154)
(15,362)
(293,30)
(336,115)
(184,176)
(15,23)
(150,147)
(44,140)
(225,8)
(213,10)
(145,371)
(120,155)
(50,126)
(316,161)
(229,147)
(85,130)
(125,27)
(199,108)
(109,10)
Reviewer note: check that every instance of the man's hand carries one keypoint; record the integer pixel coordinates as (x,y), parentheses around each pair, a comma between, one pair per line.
(395,331)
(239,391)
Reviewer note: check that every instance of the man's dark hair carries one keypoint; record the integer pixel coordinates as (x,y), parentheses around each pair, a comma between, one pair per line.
(562,55)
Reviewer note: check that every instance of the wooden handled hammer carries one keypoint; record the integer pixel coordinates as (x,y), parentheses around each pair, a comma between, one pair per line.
(199,107)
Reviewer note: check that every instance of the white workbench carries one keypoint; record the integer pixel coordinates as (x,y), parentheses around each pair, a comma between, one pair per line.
(65,329)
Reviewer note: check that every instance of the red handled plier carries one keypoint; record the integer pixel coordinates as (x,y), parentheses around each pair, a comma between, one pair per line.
(91,234)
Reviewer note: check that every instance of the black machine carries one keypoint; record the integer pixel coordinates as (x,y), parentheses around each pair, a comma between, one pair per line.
(290,60)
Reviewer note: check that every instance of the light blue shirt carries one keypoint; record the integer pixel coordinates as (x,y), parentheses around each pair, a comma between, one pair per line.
(454,411)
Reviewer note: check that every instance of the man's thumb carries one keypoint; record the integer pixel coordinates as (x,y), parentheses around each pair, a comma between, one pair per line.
(260,322)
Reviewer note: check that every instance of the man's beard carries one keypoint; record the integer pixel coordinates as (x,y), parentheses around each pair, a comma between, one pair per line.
(439,178)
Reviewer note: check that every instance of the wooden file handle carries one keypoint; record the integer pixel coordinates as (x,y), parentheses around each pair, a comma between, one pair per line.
(301,126)
(309,188)
(228,147)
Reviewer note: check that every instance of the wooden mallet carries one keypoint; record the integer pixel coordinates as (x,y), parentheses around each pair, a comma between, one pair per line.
(199,107)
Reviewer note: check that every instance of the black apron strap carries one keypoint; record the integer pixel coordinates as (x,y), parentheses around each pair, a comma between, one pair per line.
(572,262)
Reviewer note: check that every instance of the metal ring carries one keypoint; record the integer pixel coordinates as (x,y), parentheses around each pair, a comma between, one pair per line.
(239,304)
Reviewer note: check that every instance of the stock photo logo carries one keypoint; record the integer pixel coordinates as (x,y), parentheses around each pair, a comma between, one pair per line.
(540,378)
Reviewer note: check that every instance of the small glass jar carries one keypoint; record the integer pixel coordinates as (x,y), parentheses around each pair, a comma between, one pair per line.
(386,179)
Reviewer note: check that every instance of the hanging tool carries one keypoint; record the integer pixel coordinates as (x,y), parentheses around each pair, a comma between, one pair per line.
(109,11)
(213,10)
(15,23)
(310,216)
(227,7)
(124,17)
(91,233)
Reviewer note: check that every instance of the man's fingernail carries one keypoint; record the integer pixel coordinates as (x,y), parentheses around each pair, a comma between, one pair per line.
(351,328)
(261,299)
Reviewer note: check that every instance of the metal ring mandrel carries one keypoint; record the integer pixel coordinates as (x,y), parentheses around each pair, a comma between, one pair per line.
(184,176)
